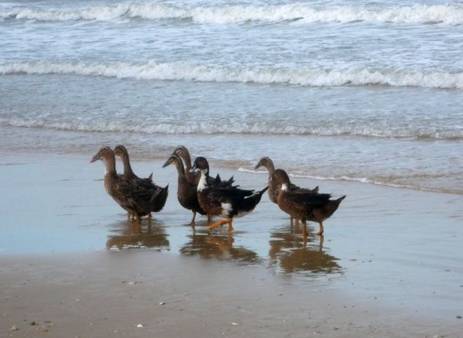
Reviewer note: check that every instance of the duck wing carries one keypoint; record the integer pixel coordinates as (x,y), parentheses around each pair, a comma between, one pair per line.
(296,188)
(307,200)
(131,196)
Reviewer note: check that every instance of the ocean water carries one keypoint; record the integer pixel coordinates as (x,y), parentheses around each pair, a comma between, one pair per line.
(370,91)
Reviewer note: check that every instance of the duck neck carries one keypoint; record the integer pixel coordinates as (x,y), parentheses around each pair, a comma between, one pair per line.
(270,167)
(180,170)
(110,164)
(202,184)
(127,167)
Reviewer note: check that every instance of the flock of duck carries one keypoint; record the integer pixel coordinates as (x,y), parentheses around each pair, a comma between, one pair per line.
(210,196)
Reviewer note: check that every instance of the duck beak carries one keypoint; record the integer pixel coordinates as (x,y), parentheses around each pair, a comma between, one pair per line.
(257,166)
(95,158)
(168,162)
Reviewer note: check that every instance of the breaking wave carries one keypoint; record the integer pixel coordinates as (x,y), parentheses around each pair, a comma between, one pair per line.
(315,77)
(153,126)
(230,14)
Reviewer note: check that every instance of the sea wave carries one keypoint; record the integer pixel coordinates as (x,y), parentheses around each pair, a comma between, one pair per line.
(315,77)
(232,14)
(369,180)
(229,127)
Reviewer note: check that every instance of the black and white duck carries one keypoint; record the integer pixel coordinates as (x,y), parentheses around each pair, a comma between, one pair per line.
(227,202)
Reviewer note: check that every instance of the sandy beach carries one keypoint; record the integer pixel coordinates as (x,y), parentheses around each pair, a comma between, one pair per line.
(71,266)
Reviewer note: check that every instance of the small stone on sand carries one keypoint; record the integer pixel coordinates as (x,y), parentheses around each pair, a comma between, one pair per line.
(139,325)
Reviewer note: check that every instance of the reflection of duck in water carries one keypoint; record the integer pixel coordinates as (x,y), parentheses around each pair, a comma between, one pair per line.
(209,246)
(127,236)
(294,254)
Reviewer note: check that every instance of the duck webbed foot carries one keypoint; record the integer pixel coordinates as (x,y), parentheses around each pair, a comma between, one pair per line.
(220,223)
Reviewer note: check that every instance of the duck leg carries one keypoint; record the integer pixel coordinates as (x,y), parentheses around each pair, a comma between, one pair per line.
(230,226)
(193,219)
(320,232)
(219,223)
(304,230)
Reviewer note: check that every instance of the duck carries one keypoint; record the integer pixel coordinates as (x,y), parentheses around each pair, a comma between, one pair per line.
(145,183)
(227,202)
(186,189)
(121,152)
(192,176)
(273,185)
(305,207)
(135,199)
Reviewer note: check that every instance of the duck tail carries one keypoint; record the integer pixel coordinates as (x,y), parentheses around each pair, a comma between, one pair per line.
(251,201)
(316,189)
(263,190)
(159,198)
(333,205)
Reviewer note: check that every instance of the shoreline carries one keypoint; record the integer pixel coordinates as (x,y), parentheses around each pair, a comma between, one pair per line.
(244,165)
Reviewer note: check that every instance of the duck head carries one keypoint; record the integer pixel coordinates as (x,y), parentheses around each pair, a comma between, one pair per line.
(267,163)
(201,165)
(184,154)
(104,154)
(121,151)
(172,159)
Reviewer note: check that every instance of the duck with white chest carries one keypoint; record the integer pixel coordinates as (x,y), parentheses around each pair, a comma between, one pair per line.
(226,202)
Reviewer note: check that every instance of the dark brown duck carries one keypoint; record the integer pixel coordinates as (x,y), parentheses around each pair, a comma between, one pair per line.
(228,202)
(305,206)
(186,189)
(144,183)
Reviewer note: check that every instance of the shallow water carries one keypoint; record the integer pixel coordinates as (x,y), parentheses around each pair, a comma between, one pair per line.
(396,247)
(353,90)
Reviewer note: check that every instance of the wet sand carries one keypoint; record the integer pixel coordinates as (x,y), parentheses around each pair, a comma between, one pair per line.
(389,264)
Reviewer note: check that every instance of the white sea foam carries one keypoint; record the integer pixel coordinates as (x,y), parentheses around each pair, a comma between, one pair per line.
(341,178)
(226,127)
(213,73)
(417,14)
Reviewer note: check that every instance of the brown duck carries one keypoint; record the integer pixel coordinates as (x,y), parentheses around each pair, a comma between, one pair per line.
(305,206)
(186,189)
(135,199)
(228,202)
(273,185)
(144,183)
